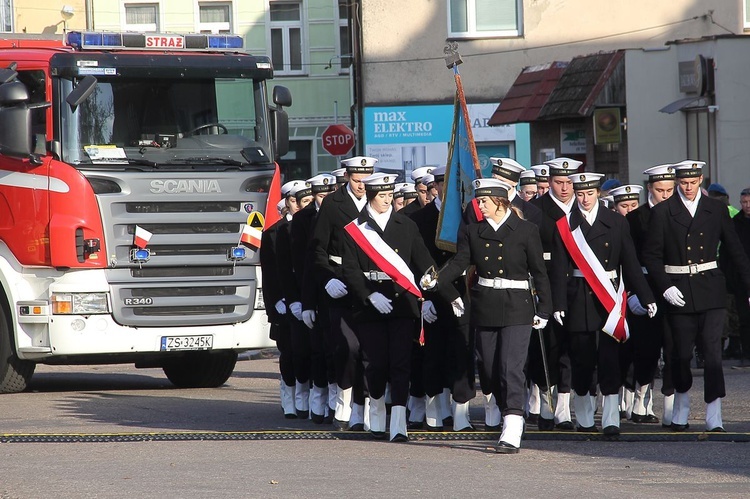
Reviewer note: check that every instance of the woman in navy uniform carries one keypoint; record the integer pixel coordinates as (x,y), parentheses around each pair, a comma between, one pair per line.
(609,256)
(382,249)
(505,250)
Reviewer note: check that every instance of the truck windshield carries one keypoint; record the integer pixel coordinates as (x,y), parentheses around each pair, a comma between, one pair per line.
(168,123)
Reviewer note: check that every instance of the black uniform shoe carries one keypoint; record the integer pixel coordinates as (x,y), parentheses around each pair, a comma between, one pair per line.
(448,421)
(718,429)
(545,424)
(317,419)
(329,418)
(357,427)
(434,428)
(290,415)
(532,418)
(488,427)
(587,429)
(400,438)
(646,419)
(565,425)
(623,415)
(679,427)
(341,425)
(611,431)
(505,448)
(414,425)
(303,414)
(378,435)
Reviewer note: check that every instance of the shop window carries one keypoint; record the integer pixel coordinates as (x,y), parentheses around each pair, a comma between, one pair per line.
(484,18)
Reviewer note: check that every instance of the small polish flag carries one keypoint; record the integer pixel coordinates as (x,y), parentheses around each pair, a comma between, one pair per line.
(142,236)
(251,237)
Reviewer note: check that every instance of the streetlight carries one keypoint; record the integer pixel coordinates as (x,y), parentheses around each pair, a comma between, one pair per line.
(67,13)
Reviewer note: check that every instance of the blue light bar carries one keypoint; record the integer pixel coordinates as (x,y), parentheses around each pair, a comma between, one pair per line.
(152,41)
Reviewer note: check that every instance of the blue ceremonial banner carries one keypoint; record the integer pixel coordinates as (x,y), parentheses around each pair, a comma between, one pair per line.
(461,169)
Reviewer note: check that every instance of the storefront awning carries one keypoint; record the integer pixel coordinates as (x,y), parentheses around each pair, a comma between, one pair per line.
(686,102)
(528,94)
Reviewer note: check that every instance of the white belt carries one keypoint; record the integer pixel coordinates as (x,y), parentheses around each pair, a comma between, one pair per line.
(335,259)
(375,275)
(500,283)
(611,274)
(690,269)
(547,256)
(644,270)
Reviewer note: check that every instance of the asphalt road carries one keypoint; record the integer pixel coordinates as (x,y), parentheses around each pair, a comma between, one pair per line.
(114,431)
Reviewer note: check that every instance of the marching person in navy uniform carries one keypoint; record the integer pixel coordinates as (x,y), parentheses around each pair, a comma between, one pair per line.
(382,250)
(323,390)
(449,344)
(423,191)
(340,174)
(593,263)
(555,204)
(680,255)
(277,314)
(527,185)
(541,172)
(327,245)
(506,250)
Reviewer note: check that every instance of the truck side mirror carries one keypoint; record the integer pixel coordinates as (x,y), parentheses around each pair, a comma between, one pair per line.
(280,130)
(15,120)
(81,92)
(282,96)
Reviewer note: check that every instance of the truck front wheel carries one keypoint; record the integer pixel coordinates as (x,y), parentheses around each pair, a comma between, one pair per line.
(15,373)
(201,369)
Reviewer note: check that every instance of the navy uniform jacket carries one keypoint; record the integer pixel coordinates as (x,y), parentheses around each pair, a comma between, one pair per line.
(530,212)
(272,291)
(512,252)
(609,239)
(303,225)
(411,208)
(284,264)
(638,220)
(337,210)
(427,222)
(676,238)
(402,235)
(742,226)
(551,213)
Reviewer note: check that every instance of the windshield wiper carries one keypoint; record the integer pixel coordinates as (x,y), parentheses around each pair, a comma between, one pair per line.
(205,160)
(118,161)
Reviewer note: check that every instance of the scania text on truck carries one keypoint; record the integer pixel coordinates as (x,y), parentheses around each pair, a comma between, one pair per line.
(106,134)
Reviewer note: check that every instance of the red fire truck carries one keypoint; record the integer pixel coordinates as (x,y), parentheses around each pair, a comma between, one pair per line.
(106,134)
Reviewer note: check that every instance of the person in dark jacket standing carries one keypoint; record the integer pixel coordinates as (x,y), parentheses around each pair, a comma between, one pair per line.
(506,250)
(593,263)
(382,250)
(741,223)
(680,256)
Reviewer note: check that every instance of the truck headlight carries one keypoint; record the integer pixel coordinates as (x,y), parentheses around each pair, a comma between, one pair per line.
(79,303)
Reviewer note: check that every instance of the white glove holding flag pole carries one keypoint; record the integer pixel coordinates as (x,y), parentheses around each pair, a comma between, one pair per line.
(336,289)
(674,297)
(427,282)
(428,312)
(380,302)
(458,307)
(308,317)
(635,305)
(280,307)
(651,310)
(539,323)
(559,316)
(296,309)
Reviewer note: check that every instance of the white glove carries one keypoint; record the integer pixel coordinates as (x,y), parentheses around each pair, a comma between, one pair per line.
(428,311)
(674,297)
(336,289)
(427,282)
(380,302)
(280,307)
(651,310)
(559,316)
(458,307)
(296,309)
(539,323)
(635,305)
(308,317)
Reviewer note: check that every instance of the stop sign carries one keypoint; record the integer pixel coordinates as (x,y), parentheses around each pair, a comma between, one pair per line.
(338,140)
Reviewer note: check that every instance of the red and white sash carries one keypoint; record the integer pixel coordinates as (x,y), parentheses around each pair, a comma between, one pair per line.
(385,258)
(615,302)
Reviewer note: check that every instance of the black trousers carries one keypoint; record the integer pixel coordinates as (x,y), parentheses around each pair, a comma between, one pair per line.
(386,352)
(347,353)
(643,349)
(300,336)
(743,311)
(323,321)
(502,352)
(705,328)
(436,358)
(461,375)
(283,335)
(416,378)
(557,346)
(595,355)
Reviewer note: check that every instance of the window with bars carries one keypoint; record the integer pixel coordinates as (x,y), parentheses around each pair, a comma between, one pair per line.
(345,36)
(142,17)
(215,17)
(484,18)
(286,37)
